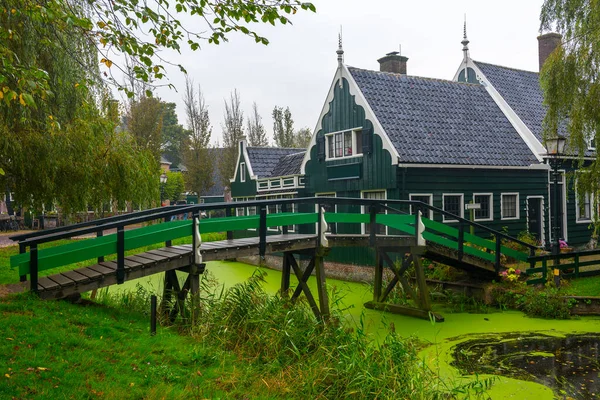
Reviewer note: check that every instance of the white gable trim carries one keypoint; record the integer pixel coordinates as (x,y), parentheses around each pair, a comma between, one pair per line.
(528,137)
(243,153)
(359,98)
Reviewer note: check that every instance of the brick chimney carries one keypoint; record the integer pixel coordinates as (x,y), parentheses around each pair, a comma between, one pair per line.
(393,62)
(546,45)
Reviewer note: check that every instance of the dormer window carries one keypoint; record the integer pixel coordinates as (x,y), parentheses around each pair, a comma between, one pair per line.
(344,144)
(242,172)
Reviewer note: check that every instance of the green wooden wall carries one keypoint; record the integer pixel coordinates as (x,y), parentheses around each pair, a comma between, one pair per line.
(578,233)
(243,189)
(376,169)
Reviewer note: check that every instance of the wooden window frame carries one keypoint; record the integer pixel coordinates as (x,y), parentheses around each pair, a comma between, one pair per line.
(430,195)
(362,193)
(461,206)
(330,154)
(517,211)
(491,217)
(243,172)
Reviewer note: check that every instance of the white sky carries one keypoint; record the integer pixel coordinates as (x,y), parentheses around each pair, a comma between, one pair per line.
(297,67)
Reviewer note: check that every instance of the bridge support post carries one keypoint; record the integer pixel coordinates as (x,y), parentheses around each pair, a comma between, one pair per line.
(419,295)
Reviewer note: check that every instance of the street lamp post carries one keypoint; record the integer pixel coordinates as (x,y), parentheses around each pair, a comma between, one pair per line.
(555,147)
(163,180)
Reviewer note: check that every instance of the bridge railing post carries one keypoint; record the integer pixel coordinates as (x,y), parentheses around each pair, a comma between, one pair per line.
(120,254)
(372,224)
(168,243)
(284,209)
(461,240)
(33,268)
(262,231)
(22,249)
(228,214)
(100,233)
(498,253)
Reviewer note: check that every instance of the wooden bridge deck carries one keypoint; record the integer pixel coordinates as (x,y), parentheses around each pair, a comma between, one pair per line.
(103,274)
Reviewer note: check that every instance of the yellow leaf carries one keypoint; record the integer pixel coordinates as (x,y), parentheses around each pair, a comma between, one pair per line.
(5,89)
(21,100)
(7,375)
(132,384)
(8,338)
(50,116)
(42,368)
(106,62)
(13,11)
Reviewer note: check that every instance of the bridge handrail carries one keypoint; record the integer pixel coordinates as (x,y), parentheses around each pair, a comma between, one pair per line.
(468,222)
(96,222)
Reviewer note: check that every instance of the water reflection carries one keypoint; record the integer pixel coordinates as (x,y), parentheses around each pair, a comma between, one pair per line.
(569,365)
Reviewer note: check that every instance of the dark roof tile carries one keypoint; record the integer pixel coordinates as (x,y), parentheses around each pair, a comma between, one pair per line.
(265,159)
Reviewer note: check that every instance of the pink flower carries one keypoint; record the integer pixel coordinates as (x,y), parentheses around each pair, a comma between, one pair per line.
(504,273)
(518,271)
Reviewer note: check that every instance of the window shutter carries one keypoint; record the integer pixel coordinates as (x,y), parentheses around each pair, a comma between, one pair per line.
(321,147)
(367,140)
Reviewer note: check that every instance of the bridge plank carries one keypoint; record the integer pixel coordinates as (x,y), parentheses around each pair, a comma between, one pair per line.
(153,257)
(109,264)
(176,251)
(76,276)
(132,264)
(144,262)
(90,273)
(102,269)
(47,284)
(62,280)
(162,253)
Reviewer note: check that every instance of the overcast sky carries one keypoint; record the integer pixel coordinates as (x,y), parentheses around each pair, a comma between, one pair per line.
(297,67)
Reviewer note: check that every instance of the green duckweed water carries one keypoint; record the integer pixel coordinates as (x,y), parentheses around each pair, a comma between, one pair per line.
(446,339)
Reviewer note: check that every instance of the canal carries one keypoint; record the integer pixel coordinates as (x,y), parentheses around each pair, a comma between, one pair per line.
(528,358)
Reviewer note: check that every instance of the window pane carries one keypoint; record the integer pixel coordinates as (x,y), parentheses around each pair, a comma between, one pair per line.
(509,206)
(452,204)
(375,196)
(358,135)
(347,143)
(330,145)
(338,145)
(485,211)
(424,210)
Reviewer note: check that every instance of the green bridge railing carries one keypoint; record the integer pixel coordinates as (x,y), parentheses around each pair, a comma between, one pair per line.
(394,214)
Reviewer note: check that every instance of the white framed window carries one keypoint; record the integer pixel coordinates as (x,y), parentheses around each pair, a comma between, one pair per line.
(509,206)
(375,195)
(344,144)
(328,208)
(242,172)
(426,198)
(591,142)
(583,208)
(486,201)
(453,203)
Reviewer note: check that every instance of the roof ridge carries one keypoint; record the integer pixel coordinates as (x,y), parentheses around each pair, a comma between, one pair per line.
(415,76)
(295,154)
(505,67)
(274,147)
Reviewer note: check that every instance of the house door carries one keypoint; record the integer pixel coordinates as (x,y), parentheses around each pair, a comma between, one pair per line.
(534,216)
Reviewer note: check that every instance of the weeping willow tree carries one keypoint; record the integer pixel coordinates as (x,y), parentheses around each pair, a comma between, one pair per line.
(570,80)
(59,143)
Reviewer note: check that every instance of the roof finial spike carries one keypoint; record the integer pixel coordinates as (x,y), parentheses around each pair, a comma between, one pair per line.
(465,41)
(340,50)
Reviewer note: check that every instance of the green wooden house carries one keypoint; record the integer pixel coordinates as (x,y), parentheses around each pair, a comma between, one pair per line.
(388,135)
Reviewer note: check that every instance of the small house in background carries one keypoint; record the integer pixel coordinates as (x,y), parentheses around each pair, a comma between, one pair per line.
(216,193)
(389,135)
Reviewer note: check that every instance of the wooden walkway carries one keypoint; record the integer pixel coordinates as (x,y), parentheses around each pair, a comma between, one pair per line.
(103,274)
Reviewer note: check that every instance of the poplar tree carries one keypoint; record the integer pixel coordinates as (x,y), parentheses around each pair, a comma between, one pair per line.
(233,132)
(570,79)
(283,127)
(196,152)
(257,135)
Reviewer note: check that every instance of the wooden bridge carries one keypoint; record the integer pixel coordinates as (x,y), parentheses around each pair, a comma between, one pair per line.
(410,237)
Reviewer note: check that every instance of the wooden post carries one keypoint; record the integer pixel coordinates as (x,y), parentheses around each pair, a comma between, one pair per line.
(497,264)
(262,232)
(100,233)
(168,243)
(285,274)
(120,254)
(228,214)
(461,240)
(284,228)
(425,303)
(33,268)
(22,249)
(322,287)
(153,315)
(378,279)
(372,225)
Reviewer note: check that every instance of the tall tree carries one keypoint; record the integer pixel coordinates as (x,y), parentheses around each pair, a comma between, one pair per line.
(145,123)
(173,135)
(113,28)
(570,79)
(233,132)
(196,152)
(58,137)
(283,127)
(302,138)
(257,135)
